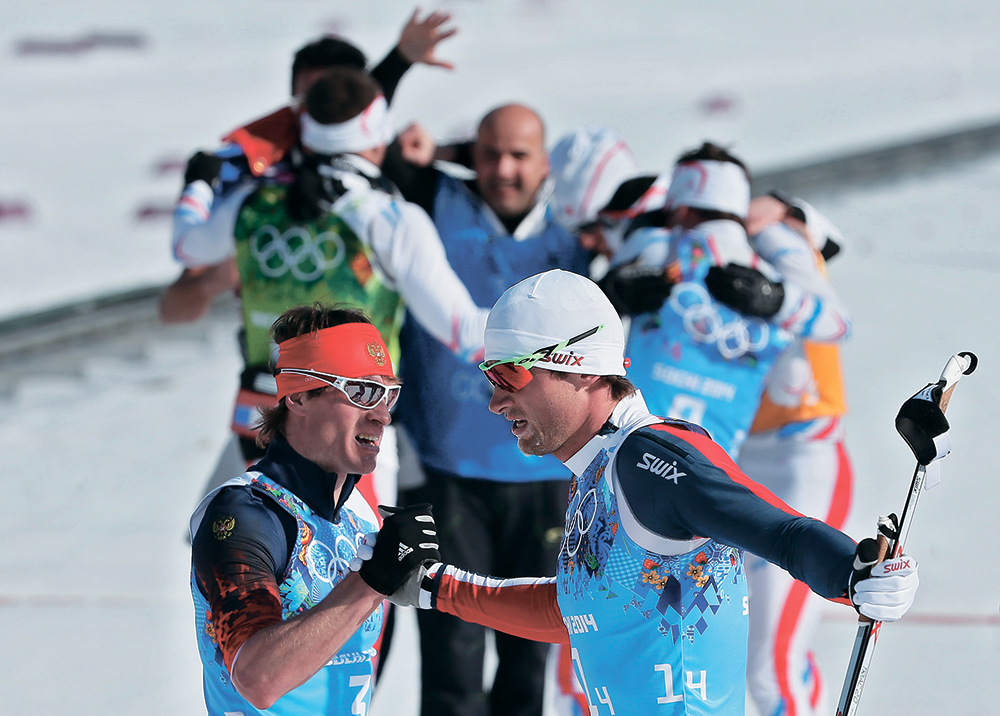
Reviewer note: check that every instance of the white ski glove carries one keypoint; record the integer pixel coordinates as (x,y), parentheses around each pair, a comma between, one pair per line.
(364,552)
(887,594)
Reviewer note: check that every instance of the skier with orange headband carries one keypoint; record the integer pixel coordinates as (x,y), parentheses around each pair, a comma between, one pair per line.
(283,622)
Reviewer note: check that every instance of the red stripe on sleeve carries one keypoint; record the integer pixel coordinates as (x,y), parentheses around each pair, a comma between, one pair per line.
(714,453)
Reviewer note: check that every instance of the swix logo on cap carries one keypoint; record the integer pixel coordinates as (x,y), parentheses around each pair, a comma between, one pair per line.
(570,358)
(661,467)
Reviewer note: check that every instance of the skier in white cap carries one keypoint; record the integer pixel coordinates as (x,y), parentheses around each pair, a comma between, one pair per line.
(595,174)
(650,591)
(588,166)
(797,449)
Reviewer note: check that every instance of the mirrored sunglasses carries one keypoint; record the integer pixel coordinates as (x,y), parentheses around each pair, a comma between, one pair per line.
(365,394)
(512,374)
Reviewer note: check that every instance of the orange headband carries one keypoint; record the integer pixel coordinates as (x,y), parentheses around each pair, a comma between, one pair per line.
(351,350)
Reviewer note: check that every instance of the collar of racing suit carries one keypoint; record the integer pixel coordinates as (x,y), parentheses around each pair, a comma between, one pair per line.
(305,479)
(630,413)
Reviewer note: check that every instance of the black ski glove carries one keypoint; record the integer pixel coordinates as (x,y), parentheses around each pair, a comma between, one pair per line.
(203,166)
(798,209)
(407,539)
(636,289)
(745,290)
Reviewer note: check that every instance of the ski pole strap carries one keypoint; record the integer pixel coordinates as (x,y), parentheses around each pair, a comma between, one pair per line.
(888,527)
(921,421)
(923,425)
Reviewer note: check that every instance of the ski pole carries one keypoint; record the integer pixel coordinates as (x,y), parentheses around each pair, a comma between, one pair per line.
(922,424)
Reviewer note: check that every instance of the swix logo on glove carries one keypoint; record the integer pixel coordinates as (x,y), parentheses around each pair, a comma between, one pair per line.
(896,565)
(661,467)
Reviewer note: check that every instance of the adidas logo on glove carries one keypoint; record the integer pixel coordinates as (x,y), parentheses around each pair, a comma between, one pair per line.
(407,539)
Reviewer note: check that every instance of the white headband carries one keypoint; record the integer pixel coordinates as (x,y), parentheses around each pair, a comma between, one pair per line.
(369,129)
(712,185)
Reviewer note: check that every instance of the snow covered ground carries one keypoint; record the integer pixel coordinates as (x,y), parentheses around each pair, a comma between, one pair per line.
(107,445)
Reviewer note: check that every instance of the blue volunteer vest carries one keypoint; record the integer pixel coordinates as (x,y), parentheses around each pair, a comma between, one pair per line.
(698,360)
(444,405)
(321,557)
(649,634)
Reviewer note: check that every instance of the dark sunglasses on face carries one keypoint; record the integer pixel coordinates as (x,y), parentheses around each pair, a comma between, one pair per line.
(365,394)
(512,374)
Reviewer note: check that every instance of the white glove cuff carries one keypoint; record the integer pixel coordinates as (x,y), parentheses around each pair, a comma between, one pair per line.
(427,584)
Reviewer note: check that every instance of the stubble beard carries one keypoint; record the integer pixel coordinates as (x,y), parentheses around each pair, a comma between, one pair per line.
(534,444)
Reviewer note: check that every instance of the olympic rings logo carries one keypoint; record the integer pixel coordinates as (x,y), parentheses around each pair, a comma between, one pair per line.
(307,257)
(703,322)
(325,563)
(578,524)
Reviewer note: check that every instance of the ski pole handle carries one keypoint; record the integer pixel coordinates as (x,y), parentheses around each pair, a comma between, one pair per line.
(960,364)
(875,551)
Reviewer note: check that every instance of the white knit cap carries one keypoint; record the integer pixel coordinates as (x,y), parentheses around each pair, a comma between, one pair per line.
(712,185)
(588,165)
(551,307)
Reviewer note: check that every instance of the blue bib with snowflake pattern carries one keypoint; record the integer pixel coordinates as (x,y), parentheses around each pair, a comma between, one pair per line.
(649,633)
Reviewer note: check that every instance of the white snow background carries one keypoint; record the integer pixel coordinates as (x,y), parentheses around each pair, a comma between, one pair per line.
(106,455)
